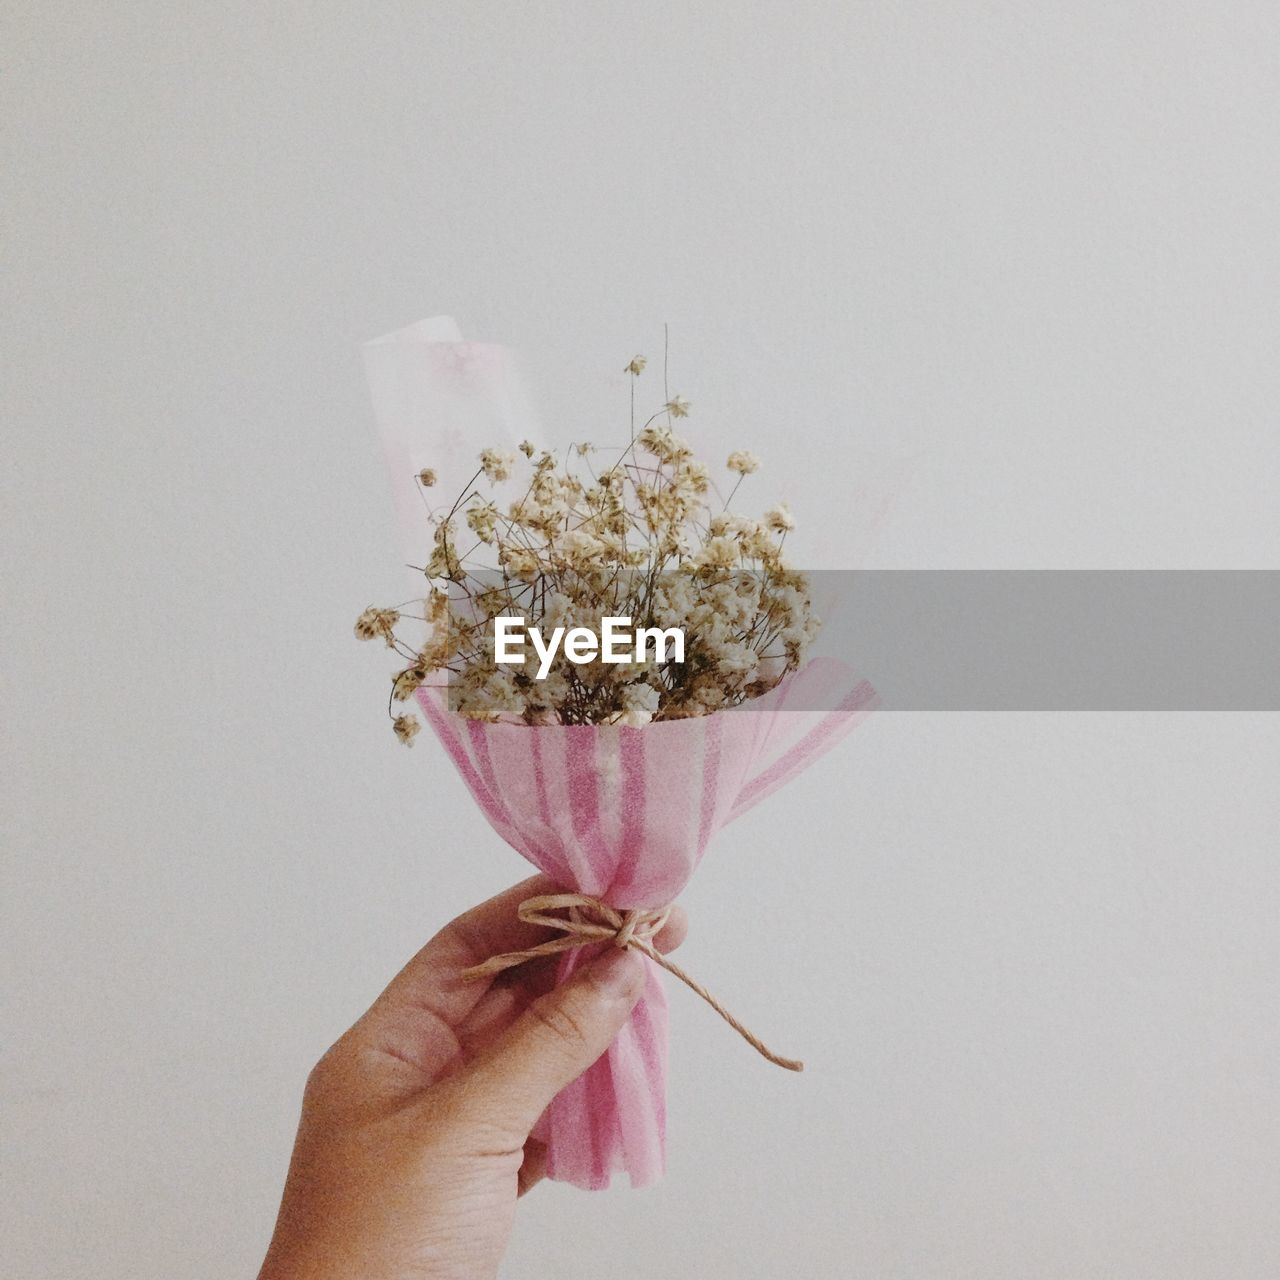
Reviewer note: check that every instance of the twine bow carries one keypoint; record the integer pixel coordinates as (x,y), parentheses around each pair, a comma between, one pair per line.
(582,921)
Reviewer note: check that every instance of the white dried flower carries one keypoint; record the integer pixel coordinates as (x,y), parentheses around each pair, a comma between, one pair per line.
(718,553)
(736,659)
(584,542)
(636,367)
(639,705)
(579,546)
(490,695)
(406,728)
(481,518)
(779,519)
(692,477)
(663,443)
(724,524)
(521,562)
(373,623)
(444,555)
(436,607)
(406,682)
(496,465)
(557,610)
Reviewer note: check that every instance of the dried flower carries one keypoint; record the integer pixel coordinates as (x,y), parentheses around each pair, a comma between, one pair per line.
(406,728)
(481,517)
(426,477)
(444,558)
(373,623)
(520,562)
(496,465)
(779,519)
(639,704)
(663,443)
(406,682)
(634,536)
(718,553)
(736,659)
(636,367)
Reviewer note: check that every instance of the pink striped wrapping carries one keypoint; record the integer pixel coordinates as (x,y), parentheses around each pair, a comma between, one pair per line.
(625,815)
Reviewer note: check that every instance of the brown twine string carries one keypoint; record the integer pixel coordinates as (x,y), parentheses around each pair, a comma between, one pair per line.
(586,920)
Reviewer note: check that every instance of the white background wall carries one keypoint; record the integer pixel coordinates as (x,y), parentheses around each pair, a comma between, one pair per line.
(1031,959)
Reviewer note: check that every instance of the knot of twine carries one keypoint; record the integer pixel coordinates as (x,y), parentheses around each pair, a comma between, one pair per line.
(582,920)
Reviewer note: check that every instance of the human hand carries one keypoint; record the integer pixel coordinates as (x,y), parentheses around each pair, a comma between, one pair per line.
(414,1140)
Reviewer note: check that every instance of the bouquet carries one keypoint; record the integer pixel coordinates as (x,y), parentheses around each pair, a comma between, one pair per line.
(615,660)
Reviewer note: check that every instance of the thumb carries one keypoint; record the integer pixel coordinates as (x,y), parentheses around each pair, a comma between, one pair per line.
(554,1041)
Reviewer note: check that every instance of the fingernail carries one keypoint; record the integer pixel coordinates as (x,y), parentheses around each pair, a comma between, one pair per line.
(617,973)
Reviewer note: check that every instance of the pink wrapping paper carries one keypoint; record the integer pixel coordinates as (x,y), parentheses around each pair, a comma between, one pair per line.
(625,815)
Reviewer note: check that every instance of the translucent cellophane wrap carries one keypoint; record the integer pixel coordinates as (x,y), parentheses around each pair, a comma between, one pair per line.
(438,401)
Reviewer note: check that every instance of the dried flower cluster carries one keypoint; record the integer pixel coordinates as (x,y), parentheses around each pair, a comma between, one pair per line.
(645,536)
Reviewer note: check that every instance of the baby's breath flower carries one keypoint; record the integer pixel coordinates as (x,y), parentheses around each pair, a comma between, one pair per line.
(636,367)
(736,659)
(496,465)
(663,443)
(718,553)
(406,728)
(373,623)
(556,609)
(481,517)
(757,543)
(444,557)
(437,607)
(637,538)
(580,546)
(692,475)
(521,562)
(490,695)
(406,682)
(779,519)
(639,705)
(367,624)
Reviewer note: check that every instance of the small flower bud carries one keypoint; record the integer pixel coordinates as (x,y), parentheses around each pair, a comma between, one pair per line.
(406,728)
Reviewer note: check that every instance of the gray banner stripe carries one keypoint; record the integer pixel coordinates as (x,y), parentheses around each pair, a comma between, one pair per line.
(1058,640)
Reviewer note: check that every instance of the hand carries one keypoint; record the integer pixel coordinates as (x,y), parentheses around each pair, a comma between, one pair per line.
(414,1141)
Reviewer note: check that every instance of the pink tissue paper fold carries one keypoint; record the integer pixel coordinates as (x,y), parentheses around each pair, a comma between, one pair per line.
(625,815)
